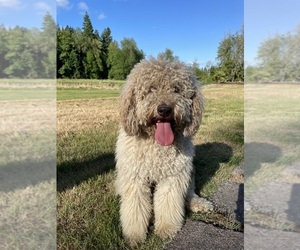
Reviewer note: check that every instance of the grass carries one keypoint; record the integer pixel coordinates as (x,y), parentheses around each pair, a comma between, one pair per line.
(88,216)
(27,170)
(84,93)
(272,114)
(87,89)
(27,89)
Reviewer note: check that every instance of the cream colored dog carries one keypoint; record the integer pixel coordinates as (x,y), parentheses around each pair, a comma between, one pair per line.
(161,109)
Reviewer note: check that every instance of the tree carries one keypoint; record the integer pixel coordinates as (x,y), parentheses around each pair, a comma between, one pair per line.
(231,57)
(168,55)
(3,51)
(87,27)
(20,54)
(92,62)
(68,54)
(122,60)
(105,40)
(278,59)
(48,48)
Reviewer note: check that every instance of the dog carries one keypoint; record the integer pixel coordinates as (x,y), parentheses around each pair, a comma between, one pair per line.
(161,108)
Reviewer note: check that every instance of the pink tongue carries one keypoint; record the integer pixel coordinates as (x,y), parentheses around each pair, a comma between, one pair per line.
(164,134)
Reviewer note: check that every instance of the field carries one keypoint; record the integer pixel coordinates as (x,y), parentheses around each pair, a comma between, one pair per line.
(87,126)
(272,115)
(27,164)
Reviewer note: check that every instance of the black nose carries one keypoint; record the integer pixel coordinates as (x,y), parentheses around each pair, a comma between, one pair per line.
(164,110)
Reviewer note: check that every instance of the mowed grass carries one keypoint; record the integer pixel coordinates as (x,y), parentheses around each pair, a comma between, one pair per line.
(272,123)
(88,209)
(87,89)
(27,89)
(27,170)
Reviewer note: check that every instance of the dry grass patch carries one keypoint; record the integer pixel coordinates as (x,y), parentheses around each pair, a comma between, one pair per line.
(76,115)
(27,170)
(272,123)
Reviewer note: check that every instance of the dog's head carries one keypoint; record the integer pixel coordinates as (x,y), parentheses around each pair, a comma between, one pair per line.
(161,99)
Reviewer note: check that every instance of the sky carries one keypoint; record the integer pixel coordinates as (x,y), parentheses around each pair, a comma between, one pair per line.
(193,29)
(264,19)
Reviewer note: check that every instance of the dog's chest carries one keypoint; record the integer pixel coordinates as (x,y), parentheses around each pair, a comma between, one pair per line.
(157,162)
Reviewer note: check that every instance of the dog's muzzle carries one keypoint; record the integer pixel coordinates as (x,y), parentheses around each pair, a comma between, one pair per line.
(164,134)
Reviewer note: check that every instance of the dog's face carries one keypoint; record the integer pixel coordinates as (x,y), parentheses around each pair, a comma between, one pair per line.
(161,99)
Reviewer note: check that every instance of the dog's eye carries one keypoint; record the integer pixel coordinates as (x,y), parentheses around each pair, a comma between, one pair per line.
(176,89)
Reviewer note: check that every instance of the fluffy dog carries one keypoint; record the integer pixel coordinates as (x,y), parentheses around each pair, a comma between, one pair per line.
(161,108)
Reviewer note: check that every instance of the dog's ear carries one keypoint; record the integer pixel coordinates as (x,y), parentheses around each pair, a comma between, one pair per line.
(128,116)
(197,108)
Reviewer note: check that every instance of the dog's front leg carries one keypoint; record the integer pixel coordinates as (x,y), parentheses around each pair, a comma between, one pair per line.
(169,207)
(135,211)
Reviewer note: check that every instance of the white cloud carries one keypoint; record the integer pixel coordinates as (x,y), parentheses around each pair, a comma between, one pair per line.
(83,6)
(101,16)
(42,7)
(63,3)
(10,3)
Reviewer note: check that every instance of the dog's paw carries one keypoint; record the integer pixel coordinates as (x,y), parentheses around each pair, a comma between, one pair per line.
(167,232)
(134,240)
(198,204)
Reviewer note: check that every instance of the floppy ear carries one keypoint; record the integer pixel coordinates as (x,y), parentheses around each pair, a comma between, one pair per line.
(128,116)
(197,108)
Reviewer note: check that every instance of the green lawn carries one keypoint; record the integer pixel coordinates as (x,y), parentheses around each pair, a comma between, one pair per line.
(88,216)
(85,93)
(26,93)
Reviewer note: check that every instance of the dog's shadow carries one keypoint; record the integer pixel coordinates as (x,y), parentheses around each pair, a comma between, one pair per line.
(207,161)
(70,174)
(257,153)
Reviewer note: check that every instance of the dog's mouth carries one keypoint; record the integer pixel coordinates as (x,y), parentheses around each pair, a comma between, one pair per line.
(164,134)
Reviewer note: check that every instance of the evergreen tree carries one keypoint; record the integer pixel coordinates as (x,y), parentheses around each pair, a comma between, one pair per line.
(68,54)
(91,47)
(122,60)
(48,49)
(105,40)
(20,56)
(3,51)
(87,27)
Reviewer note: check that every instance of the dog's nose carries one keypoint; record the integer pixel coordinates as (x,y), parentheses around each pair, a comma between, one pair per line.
(164,110)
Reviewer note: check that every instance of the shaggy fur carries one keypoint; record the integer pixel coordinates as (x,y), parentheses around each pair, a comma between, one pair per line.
(153,174)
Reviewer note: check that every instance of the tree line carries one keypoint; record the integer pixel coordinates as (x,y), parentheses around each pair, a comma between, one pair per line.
(278,59)
(83,53)
(28,53)
(229,66)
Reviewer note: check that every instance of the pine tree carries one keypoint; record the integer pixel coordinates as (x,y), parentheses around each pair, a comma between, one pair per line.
(105,40)
(122,60)
(48,59)
(87,27)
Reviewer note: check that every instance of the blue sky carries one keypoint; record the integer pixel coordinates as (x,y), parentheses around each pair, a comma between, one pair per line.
(266,18)
(191,28)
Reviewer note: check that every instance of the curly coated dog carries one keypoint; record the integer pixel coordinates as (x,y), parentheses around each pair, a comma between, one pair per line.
(161,108)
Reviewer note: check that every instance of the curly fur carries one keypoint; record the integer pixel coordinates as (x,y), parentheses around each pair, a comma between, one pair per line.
(142,162)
